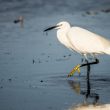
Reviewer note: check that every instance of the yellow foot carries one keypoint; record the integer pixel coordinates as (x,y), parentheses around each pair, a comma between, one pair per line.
(76,68)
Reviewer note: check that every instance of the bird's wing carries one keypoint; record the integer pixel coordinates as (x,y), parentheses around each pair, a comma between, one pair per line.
(87,42)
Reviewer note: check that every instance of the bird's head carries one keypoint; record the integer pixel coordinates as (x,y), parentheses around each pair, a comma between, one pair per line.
(60,25)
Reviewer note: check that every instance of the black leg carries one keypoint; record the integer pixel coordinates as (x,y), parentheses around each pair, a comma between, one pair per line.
(88,66)
(90,63)
(88,79)
(88,70)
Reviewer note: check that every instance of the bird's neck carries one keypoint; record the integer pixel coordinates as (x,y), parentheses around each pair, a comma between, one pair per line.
(62,32)
(62,36)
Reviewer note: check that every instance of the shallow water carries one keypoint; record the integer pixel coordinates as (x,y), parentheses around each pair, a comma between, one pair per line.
(34,66)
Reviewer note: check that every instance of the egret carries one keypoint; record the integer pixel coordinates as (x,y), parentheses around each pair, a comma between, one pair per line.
(84,42)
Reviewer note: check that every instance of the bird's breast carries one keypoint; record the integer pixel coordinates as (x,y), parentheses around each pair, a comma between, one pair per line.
(63,39)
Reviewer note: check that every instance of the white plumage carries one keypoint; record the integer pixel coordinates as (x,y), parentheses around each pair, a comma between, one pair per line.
(82,40)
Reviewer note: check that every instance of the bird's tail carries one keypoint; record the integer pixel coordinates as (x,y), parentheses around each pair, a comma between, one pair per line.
(107,51)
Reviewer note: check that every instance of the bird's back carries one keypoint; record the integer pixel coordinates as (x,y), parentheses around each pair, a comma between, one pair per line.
(86,41)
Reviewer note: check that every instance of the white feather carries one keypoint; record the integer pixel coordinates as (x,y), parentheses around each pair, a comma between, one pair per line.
(82,40)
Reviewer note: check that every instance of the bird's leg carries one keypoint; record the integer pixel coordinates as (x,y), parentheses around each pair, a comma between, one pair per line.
(88,66)
(84,58)
(90,63)
(88,70)
(77,67)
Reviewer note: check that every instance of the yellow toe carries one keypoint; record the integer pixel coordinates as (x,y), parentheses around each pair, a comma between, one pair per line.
(76,68)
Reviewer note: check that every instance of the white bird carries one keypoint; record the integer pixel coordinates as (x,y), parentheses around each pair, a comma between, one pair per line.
(82,41)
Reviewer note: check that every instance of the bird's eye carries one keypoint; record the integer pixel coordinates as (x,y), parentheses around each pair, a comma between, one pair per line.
(59,25)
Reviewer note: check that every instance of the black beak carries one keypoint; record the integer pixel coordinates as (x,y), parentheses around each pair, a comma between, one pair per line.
(50,28)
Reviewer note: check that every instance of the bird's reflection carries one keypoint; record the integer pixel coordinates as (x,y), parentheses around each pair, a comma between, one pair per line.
(85,88)
(90,97)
